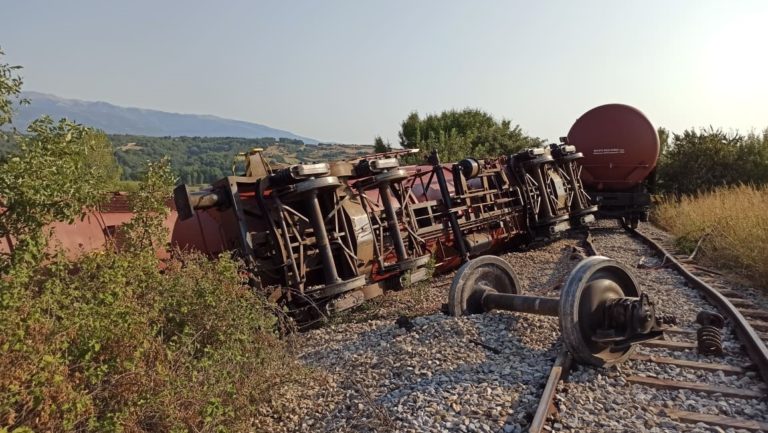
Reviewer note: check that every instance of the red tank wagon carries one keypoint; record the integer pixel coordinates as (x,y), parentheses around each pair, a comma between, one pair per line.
(621,149)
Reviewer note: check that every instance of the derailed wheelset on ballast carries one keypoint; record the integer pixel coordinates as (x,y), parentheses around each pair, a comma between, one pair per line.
(602,311)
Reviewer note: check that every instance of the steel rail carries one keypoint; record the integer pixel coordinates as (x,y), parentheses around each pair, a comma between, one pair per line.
(560,368)
(754,345)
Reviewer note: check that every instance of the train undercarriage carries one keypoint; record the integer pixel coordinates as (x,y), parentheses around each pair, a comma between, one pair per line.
(322,238)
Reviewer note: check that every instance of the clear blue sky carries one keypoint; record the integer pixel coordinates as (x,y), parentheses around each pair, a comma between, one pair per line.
(350,70)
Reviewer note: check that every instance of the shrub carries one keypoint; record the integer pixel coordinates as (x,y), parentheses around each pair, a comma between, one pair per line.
(710,158)
(110,342)
(114,342)
(118,341)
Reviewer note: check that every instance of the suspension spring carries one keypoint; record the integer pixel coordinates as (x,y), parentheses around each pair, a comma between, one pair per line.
(710,335)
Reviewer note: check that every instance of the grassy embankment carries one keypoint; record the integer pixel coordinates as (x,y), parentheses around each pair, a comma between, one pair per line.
(733,222)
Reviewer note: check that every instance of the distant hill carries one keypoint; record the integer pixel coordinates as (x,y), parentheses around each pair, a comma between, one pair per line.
(114,119)
(198,160)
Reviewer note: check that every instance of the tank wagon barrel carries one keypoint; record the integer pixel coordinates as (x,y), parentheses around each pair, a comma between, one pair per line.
(621,149)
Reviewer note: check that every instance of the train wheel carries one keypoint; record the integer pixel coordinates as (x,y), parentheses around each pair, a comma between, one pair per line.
(592,282)
(474,278)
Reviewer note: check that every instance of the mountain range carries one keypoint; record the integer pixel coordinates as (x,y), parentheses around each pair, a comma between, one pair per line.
(114,119)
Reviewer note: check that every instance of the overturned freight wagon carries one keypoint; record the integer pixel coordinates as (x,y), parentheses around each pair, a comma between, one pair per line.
(321,238)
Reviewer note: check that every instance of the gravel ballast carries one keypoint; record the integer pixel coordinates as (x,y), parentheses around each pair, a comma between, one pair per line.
(485,373)
(603,400)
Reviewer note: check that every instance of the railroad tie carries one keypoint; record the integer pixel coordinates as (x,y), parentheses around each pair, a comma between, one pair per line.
(759,325)
(715,420)
(671,345)
(693,365)
(726,391)
(741,303)
(676,330)
(730,294)
(755,314)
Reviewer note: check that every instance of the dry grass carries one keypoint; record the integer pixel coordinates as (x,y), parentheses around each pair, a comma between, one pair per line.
(733,222)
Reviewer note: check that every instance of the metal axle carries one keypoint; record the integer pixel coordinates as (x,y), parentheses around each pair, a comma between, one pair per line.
(602,312)
(540,305)
(458,236)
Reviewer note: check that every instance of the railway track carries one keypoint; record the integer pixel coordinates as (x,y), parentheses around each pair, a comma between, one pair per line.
(485,372)
(667,385)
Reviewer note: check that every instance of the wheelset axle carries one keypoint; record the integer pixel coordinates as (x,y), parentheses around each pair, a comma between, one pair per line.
(601,310)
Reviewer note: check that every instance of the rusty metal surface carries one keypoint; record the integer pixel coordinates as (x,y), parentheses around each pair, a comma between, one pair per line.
(324,234)
(98,230)
(560,369)
(620,146)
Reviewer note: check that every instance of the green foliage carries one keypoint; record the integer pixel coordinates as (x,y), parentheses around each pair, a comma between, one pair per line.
(111,343)
(201,160)
(195,160)
(52,177)
(380,147)
(10,88)
(102,159)
(460,134)
(116,342)
(663,140)
(145,231)
(700,161)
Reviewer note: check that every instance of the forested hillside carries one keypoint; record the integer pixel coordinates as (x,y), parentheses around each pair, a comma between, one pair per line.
(201,160)
(197,160)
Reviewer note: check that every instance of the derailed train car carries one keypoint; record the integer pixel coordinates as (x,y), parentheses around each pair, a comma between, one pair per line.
(321,238)
(621,148)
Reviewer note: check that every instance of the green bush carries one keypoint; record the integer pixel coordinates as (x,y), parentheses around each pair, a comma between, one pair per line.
(122,342)
(118,341)
(711,158)
(460,134)
(111,342)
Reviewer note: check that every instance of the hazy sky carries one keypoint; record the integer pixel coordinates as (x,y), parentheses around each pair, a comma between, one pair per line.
(350,70)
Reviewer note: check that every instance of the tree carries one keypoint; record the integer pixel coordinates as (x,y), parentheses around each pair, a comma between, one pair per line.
(56,173)
(379,146)
(663,139)
(102,157)
(701,160)
(145,231)
(51,178)
(10,88)
(460,134)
